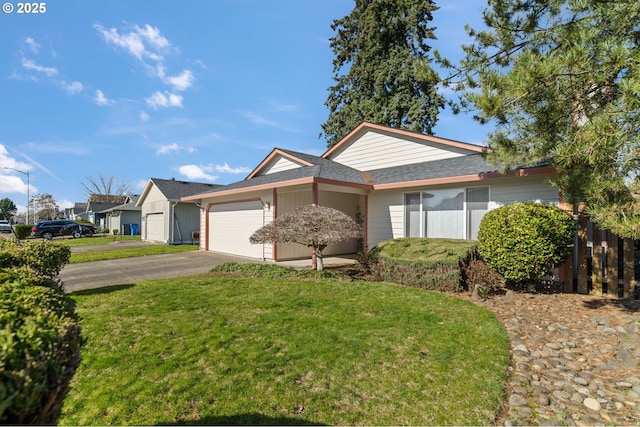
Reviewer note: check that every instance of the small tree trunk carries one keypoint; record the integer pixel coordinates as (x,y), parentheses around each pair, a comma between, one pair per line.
(319,263)
(314,259)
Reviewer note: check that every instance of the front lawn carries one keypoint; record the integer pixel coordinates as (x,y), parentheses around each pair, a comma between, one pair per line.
(219,350)
(116,252)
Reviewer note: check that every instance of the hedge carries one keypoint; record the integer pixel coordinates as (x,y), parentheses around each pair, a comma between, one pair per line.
(40,336)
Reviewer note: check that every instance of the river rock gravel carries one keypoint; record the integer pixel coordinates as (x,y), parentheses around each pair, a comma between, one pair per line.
(575,359)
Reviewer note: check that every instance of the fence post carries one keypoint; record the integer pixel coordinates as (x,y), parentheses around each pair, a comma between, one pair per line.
(629,271)
(582,255)
(596,257)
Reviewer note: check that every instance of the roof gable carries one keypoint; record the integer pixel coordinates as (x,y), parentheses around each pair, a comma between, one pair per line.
(279,160)
(371,146)
(174,190)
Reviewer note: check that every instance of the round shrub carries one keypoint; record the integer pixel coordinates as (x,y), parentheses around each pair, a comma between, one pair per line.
(40,337)
(45,258)
(40,344)
(22,230)
(523,241)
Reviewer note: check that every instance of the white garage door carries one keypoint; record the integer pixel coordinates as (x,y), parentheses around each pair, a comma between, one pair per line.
(155,227)
(230,226)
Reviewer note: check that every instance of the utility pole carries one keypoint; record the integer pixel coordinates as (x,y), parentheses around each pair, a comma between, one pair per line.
(28,185)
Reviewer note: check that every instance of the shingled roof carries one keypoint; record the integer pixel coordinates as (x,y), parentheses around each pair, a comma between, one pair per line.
(330,170)
(174,189)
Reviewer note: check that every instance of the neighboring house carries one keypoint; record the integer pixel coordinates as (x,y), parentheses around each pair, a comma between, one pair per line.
(164,217)
(77,212)
(396,183)
(124,217)
(98,203)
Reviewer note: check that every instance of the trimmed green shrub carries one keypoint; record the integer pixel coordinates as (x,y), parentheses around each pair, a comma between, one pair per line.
(433,264)
(523,241)
(45,258)
(40,337)
(22,230)
(40,344)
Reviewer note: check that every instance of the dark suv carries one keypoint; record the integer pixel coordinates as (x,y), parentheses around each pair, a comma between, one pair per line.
(61,227)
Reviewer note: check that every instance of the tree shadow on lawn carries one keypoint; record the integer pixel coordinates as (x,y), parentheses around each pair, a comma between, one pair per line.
(104,290)
(253,419)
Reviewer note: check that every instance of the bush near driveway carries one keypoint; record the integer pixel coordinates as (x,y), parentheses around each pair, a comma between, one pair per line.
(40,336)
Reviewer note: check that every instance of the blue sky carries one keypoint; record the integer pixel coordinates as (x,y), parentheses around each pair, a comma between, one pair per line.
(194,90)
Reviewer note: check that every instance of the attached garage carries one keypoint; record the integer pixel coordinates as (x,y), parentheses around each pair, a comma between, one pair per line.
(154,230)
(231,224)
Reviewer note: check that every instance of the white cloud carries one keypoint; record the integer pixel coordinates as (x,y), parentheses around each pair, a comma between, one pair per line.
(174,147)
(73,87)
(228,169)
(167,99)
(100,99)
(31,65)
(182,81)
(134,41)
(198,172)
(153,36)
(144,116)
(64,204)
(32,44)
(150,47)
(165,149)
(12,181)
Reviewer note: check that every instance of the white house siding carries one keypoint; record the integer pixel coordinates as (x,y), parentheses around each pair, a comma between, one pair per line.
(288,201)
(385,216)
(386,208)
(375,150)
(525,189)
(278,165)
(351,204)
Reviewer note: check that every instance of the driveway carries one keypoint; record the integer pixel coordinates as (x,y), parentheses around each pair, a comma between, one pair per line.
(97,274)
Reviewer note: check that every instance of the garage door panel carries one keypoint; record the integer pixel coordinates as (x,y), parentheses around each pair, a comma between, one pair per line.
(155,227)
(230,226)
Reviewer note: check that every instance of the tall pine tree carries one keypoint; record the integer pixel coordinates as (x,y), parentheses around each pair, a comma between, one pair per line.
(380,70)
(561,81)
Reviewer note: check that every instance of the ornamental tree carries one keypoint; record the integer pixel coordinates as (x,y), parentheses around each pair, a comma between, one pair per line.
(313,226)
(560,79)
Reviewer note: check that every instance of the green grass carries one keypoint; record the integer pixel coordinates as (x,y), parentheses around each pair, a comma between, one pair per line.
(220,350)
(77,257)
(95,240)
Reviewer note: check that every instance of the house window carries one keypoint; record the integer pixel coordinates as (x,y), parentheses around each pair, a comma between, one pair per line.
(451,213)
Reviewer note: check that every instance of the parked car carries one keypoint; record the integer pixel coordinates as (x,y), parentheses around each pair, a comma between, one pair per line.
(78,230)
(59,227)
(5,226)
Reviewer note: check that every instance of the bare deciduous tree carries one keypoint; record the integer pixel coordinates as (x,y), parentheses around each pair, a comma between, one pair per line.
(312,226)
(106,187)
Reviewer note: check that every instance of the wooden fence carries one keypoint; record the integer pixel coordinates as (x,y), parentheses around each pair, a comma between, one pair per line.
(602,263)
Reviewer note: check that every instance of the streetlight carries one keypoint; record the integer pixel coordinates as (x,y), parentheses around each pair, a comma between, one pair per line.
(28,185)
